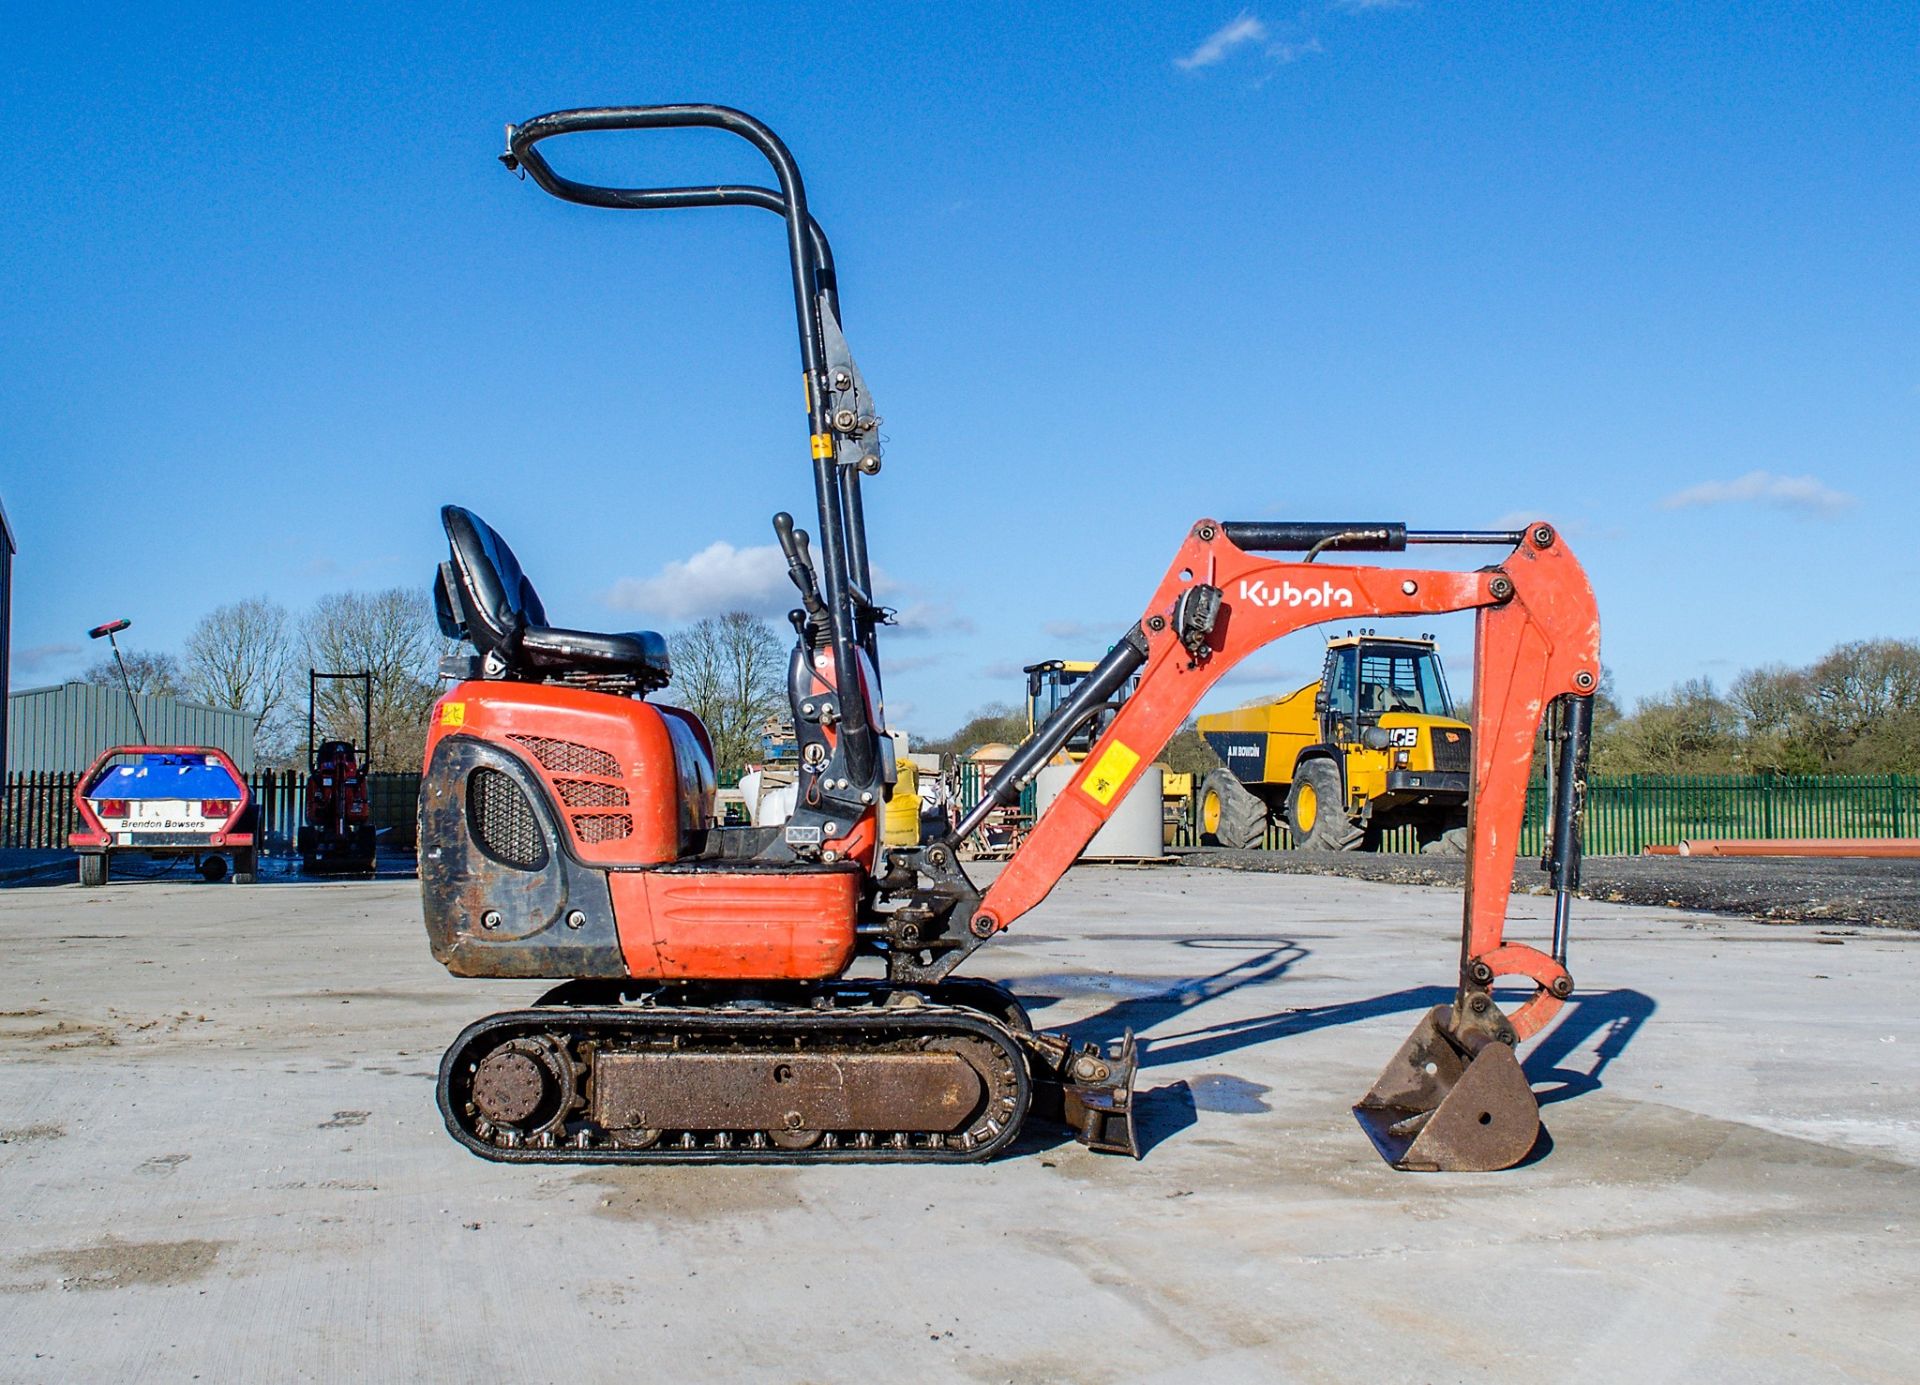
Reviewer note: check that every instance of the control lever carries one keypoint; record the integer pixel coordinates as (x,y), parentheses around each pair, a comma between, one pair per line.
(793,542)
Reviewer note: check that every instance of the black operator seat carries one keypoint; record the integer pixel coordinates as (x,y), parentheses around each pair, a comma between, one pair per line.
(482,595)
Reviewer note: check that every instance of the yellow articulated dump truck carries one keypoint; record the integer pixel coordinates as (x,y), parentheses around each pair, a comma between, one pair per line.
(1373,745)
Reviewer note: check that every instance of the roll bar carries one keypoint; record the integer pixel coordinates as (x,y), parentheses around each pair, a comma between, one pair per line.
(810,261)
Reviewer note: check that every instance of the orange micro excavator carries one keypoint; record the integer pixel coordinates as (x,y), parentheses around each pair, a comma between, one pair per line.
(786,994)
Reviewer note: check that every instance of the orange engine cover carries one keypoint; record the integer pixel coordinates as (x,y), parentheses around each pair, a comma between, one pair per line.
(633,781)
(636,880)
(712,923)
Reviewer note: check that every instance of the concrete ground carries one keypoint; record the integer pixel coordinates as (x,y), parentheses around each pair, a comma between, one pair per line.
(221,1160)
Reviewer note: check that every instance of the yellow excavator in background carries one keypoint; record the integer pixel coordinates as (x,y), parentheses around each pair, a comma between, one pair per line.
(1372,745)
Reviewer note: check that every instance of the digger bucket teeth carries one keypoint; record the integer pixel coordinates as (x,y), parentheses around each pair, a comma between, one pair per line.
(1440,1109)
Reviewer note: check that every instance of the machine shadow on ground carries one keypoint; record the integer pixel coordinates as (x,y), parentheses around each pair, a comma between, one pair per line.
(1162,1112)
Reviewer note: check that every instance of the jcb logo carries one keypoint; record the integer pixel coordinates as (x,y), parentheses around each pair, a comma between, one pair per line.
(1323,597)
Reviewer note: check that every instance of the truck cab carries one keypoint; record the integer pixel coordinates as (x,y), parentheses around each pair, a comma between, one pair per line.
(1374,744)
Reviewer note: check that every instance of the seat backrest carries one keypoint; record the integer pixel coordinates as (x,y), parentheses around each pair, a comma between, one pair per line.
(496,601)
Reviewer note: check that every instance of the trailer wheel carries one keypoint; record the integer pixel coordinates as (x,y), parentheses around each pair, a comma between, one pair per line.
(213,868)
(93,869)
(1230,815)
(1316,810)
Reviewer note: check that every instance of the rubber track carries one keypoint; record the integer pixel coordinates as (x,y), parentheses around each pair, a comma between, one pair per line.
(613,1025)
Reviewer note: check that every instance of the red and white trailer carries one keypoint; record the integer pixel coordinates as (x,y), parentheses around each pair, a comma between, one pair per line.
(165,800)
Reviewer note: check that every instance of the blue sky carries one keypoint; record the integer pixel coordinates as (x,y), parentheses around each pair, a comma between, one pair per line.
(1648,270)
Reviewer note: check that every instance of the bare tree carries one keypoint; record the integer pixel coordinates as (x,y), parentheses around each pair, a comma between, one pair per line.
(1691,730)
(730,671)
(1867,696)
(1778,727)
(242,656)
(393,635)
(1000,722)
(150,675)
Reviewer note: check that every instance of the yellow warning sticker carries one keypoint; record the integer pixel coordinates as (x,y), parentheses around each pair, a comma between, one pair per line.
(453,714)
(822,445)
(1110,772)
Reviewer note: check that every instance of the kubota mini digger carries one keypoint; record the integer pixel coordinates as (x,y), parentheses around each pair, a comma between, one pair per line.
(787,993)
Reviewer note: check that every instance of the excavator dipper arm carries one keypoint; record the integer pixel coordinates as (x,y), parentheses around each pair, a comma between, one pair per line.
(1537,639)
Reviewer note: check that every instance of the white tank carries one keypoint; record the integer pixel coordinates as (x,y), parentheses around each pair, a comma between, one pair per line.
(1132,833)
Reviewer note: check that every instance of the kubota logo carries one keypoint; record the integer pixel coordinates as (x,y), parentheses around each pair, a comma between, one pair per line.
(1325,596)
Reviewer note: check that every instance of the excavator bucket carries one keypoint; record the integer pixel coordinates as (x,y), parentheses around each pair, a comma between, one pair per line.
(1438,1108)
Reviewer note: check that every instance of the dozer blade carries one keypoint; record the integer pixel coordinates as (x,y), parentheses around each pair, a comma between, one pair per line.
(1438,1109)
(1098,1099)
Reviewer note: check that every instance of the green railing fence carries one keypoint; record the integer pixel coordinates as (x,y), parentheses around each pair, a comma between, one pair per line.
(1626,813)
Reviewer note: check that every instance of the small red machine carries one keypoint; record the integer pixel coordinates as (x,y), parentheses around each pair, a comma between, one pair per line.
(336,833)
(788,993)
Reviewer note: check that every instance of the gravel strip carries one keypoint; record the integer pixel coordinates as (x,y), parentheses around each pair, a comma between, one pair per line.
(1875,893)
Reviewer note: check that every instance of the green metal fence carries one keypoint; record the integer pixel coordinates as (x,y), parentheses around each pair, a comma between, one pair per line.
(1626,813)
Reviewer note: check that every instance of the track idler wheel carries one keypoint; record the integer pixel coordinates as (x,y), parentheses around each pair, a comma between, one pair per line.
(1446,1104)
(523,1090)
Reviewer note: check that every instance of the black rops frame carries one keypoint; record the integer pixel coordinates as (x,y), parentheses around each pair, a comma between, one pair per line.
(836,488)
(365,680)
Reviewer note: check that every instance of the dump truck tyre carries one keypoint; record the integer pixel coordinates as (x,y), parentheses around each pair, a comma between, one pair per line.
(1230,815)
(93,869)
(1316,810)
(1445,834)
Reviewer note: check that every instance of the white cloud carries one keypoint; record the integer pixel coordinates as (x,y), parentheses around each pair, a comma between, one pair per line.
(36,656)
(1235,33)
(717,579)
(1293,52)
(1361,6)
(1278,676)
(721,578)
(1083,631)
(928,618)
(1764,488)
(910,663)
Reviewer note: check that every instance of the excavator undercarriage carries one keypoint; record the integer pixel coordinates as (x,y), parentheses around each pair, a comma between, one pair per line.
(837,1073)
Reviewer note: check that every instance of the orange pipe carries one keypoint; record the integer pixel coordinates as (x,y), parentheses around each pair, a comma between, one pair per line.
(1875,848)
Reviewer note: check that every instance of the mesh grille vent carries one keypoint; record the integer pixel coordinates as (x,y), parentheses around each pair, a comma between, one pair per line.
(503,821)
(570,757)
(589,793)
(1452,757)
(602,827)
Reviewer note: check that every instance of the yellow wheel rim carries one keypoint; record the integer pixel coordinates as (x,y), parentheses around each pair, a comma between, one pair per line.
(1210,812)
(1307,807)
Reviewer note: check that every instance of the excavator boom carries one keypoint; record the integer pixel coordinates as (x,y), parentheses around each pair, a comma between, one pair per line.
(1537,642)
